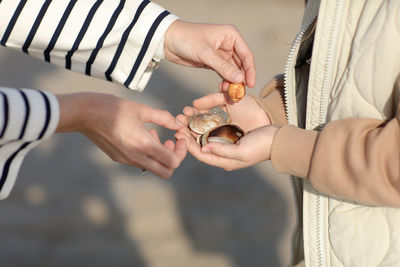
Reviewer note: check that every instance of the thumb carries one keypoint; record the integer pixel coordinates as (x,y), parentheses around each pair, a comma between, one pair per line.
(209,101)
(221,150)
(161,117)
(226,69)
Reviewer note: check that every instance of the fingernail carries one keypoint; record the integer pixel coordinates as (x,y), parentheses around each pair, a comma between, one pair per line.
(237,76)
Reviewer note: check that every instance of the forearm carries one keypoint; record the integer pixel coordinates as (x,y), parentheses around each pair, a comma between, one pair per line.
(89,112)
(355,159)
(359,159)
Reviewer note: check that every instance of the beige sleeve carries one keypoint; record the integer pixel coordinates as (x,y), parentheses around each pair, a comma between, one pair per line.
(272,101)
(355,159)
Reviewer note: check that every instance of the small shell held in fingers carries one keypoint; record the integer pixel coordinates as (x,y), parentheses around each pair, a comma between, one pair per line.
(201,123)
(226,134)
(236,91)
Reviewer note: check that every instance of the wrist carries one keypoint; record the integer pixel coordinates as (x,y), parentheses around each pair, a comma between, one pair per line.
(75,110)
(272,130)
(168,39)
(174,35)
(264,116)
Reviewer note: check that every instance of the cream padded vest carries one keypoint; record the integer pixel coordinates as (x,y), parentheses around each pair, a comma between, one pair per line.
(354,73)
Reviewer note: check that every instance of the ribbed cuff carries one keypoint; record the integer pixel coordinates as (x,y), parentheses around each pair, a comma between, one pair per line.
(292,150)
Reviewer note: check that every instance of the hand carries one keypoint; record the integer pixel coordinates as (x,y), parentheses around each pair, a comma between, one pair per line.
(253,148)
(219,47)
(117,127)
(247,113)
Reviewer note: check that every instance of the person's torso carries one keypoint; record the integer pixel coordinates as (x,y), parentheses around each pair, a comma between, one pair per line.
(353,72)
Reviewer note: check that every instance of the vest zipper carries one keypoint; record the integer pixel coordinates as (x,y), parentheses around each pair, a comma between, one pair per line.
(291,104)
(292,119)
(330,56)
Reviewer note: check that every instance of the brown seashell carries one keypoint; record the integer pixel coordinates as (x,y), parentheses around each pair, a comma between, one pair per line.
(236,91)
(226,134)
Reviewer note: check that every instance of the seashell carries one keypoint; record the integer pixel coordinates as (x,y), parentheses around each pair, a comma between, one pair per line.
(226,134)
(201,123)
(220,112)
(236,91)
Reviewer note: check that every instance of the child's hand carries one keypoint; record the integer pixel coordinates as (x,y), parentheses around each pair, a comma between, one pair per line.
(253,148)
(247,114)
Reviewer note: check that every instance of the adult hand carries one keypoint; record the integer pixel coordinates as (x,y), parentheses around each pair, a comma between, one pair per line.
(117,127)
(219,47)
(253,148)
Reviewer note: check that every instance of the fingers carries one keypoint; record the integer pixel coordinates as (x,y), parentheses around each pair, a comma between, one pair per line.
(219,47)
(170,145)
(247,60)
(125,139)
(156,162)
(137,158)
(208,158)
(160,117)
(157,151)
(189,111)
(155,167)
(220,86)
(225,68)
(177,151)
(250,73)
(145,149)
(155,135)
(209,101)
(183,119)
(222,150)
(224,85)
(235,58)
(180,149)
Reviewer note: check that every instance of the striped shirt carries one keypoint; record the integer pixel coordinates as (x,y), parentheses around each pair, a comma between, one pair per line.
(109,39)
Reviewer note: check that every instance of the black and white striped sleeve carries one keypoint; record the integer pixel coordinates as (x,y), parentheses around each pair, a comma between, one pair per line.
(111,39)
(26,118)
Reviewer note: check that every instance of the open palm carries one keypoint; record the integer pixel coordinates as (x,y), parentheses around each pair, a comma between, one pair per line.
(247,113)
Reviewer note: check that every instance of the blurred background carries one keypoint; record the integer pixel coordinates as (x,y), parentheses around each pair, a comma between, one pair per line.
(72,206)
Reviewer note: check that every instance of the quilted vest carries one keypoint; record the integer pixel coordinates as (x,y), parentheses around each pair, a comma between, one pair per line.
(354,72)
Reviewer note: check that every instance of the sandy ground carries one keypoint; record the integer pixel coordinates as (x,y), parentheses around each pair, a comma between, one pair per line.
(72,206)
